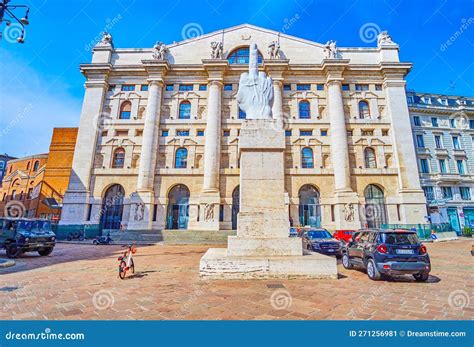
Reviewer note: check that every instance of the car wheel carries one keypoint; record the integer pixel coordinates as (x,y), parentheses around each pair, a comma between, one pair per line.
(46,251)
(94,242)
(346,262)
(81,238)
(372,271)
(422,276)
(12,251)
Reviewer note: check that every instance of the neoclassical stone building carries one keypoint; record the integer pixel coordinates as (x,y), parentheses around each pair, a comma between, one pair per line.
(159,133)
(443,131)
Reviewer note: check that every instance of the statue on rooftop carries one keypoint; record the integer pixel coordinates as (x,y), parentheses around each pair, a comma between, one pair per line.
(217,49)
(159,51)
(274,50)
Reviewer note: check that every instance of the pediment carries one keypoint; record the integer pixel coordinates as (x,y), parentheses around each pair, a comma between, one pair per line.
(186,95)
(376,142)
(362,142)
(307,141)
(363,95)
(304,94)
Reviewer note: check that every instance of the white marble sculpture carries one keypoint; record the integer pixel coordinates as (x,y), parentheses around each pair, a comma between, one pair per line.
(209,212)
(159,51)
(384,37)
(274,50)
(255,95)
(217,49)
(106,39)
(331,50)
(349,212)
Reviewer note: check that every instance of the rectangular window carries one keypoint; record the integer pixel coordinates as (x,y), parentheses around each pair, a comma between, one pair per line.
(385,132)
(324,133)
(438,142)
(200,133)
(434,122)
(287,132)
(367,132)
(410,99)
(155,212)
(471,124)
(319,86)
(442,165)
(169,87)
(227,87)
(425,168)
(164,133)
(306,132)
(121,133)
(287,87)
(345,87)
(456,143)
(333,216)
(452,123)
(460,165)
(420,142)
(303,86)
(111,88)
(429,193)
(203,87)
(226,133)
(89,212)
(221,213)
(398,212)
(144,87)
(185,87)
(362,87)
(447,192)
(416,121)
(182,132)
(465,193)
(128,87)
(378,87)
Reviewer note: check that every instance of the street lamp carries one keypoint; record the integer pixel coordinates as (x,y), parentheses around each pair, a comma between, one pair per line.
(6,9)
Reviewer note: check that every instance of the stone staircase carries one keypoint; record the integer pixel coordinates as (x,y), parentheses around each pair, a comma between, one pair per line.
(208,237)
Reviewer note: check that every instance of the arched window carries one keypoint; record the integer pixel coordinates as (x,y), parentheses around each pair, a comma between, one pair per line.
(178,207)
(364,111)
(370,159)
(119,158)
(241,56)
(304,109)
(185,110)
(36,166)
(307,158)
(125,110)
(375,214)
(242,114)
(309,208)
(181,158)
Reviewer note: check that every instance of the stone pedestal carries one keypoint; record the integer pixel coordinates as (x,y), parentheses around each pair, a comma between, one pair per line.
(141,211)
(262,248)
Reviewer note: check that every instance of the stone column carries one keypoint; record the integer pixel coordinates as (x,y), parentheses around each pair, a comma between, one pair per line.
(275,68)
(412,199)
(76,198)
(213,136)
(210,198)
(343,193)
(277,108)
(143,200)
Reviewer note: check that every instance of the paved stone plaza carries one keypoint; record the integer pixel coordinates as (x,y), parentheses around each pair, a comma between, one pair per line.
(80,282)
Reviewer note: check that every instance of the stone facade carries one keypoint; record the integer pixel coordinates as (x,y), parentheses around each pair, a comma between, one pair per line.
(443,131)
(160,128)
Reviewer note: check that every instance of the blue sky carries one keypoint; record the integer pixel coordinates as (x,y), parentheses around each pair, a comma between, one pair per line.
(42,87)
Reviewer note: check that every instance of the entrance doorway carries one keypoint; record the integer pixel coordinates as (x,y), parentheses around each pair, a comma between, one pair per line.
(112,207)
(309,208)
(178,207)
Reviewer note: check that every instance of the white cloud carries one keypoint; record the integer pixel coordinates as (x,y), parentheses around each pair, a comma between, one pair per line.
(31,105)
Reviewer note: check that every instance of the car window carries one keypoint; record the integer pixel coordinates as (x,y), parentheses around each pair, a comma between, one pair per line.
(364,237)
(371,237)
(318,234)
(398,238)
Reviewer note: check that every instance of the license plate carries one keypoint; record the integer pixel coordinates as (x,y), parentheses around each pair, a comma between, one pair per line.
(404,251)
(330,250)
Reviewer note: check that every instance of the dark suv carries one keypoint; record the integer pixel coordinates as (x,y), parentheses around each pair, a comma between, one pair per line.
(26,235)
(387,252)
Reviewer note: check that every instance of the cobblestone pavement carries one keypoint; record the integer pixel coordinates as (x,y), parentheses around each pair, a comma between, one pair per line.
(81,282)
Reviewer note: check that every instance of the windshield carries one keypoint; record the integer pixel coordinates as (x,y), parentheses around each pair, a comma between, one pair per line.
(39,225)
(399,238)
(318,234)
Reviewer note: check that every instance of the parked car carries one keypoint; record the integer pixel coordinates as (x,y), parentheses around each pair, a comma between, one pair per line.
(26,235)
(387,252)
(343,235)
(293,232)
(321,241)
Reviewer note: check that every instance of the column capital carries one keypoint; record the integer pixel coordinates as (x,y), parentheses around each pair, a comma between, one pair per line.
(334,68)
(215,82)
(276,67)
(155,81)
(215,68)
(97,74)
(156,69)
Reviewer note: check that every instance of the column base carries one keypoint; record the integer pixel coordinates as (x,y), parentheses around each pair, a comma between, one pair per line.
(218,264)
(206,216)
(346,210)
(74,210)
